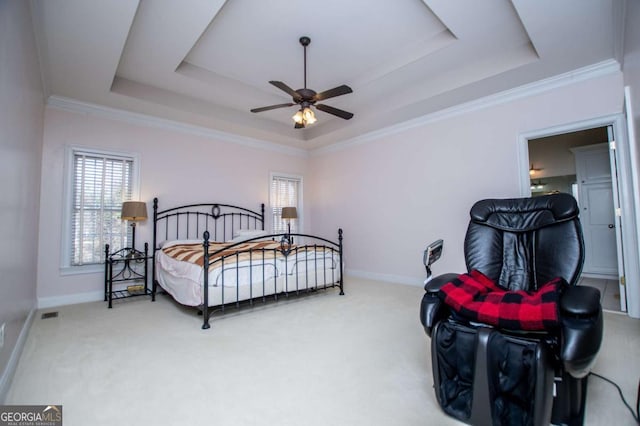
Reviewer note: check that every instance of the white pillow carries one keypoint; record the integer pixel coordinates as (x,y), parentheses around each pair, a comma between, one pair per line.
(247,234)
(170,243)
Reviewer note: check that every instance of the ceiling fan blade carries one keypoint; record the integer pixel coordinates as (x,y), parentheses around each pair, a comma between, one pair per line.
(267,108)
(298,126)
(280,85)
(331,93)
(335,111)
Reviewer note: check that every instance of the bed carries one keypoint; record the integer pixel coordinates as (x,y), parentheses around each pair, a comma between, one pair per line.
(214,256)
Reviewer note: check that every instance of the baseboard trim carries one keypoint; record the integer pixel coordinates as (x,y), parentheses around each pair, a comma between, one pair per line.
(611,311)
(12,365)
(599,276)
(390,278)
(70,299)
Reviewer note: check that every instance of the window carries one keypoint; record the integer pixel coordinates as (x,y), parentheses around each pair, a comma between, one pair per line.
(98,183)
(286,191)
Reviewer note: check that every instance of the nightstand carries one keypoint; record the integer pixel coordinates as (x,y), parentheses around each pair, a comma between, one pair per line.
(127,269)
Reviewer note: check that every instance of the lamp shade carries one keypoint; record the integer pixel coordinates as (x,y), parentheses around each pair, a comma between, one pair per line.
(134,210)
(289,213)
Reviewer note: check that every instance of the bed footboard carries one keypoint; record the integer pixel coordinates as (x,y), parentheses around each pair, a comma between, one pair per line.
(268,267)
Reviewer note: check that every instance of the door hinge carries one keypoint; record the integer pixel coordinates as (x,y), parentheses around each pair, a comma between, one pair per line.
(623,281)
(612,145)
(618,212)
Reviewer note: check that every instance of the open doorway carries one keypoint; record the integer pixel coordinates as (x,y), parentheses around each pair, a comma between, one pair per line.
(578,163)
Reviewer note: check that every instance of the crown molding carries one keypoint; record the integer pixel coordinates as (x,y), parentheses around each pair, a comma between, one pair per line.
(561,80)
(74,105)
(582,74)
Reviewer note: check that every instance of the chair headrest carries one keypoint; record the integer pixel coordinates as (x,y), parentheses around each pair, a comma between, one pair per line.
(525,214)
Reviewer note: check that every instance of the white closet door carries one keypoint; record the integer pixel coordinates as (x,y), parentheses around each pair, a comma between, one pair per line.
(597,213)
(598,224)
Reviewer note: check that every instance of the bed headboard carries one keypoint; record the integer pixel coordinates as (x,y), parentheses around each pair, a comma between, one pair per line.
(190,221)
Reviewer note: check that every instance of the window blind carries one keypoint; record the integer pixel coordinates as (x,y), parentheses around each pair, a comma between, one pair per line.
(100,184)
(285,192)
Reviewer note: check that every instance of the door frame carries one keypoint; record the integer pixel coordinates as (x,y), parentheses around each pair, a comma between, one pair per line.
(626,168)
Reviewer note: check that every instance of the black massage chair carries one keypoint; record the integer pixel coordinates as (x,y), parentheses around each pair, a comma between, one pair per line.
(484,375)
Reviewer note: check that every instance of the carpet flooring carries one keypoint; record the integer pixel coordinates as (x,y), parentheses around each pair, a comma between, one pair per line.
(323,359)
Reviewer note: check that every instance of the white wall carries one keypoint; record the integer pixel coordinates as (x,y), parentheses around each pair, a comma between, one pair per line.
(631,65)
(399,192)
(631,70)
(176,167)
(21,106)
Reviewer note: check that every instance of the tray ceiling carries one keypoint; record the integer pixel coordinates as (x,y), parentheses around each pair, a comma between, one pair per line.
(208,62)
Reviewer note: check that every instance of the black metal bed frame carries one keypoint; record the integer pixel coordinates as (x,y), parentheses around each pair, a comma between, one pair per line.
(221,221)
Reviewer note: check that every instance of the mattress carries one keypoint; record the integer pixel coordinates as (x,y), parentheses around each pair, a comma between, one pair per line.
(263,270)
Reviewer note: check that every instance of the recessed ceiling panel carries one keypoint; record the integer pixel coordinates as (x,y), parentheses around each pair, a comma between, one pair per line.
(348,42)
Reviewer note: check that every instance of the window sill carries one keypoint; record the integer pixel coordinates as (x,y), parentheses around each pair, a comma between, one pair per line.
(84,269)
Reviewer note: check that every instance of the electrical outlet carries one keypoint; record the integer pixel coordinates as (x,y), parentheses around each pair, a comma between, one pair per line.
(2,335)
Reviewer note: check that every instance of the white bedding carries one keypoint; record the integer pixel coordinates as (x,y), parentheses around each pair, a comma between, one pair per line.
(184,280)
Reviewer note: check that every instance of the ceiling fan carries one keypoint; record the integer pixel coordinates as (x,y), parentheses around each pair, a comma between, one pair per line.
(307,97)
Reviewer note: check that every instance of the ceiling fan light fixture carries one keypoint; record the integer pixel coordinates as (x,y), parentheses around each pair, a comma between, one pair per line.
(308,116)
(304,116)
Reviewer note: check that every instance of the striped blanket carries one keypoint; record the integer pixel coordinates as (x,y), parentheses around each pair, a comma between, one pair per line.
(248,251)
(194,253)
(477,298)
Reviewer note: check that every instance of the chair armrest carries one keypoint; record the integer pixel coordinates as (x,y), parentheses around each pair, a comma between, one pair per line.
(432,309)
(581,329)
(435,284)
(580,301)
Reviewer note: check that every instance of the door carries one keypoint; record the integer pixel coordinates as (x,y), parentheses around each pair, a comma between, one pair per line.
(596,200)
(598,224)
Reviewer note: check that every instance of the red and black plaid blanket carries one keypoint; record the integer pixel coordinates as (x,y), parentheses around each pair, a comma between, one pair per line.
(477,298)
